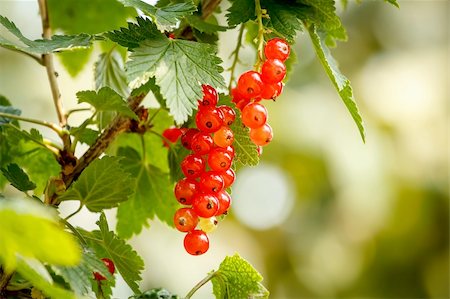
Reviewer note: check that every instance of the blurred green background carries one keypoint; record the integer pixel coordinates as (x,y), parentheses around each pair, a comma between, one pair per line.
(323,215)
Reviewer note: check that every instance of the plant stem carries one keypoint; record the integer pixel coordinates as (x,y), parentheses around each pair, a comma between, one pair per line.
(144,154)
(35,57)
(200,284)
(77,110)
(208,7)
(74,213)
(75,231)
(52,126)
(260,37)
(236,56)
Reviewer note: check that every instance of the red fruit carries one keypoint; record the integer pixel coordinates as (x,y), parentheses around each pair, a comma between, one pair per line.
(261,136)
(111,269)
(186,137)
(228,114)
(277,48)
(219,159)
(230,150)
(196,242)
(254,115)
(224,202)
(242,103)
(205,204)
(185,219)
(185,189)
(271,91)
(193,166)
(249,85)
(209,97)
(223,137)
(236,95)
(171,134)
(209,120)
(273,71)
(211,181)
(201,143)
(228,178)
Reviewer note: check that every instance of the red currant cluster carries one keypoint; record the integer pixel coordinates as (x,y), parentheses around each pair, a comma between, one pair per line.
(253,86)
(207,171)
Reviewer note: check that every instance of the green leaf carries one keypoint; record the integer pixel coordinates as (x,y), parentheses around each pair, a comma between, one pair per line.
(236,278)
(179,67)
(10,110)
(18,178)
(153,195)
(102,185)
(176,155)
(201,25)
(135,33)
(107,244)
(393,2)
(105,99)
(31,230)
(75,60)
(284,18)
(109,72)
(340,82)
(240,11)
(84,135)
(166,17)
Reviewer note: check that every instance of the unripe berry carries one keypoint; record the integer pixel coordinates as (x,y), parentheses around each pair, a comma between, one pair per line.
(208,225)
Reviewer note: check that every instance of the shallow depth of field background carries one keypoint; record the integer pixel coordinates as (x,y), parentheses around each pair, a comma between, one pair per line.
(323,215)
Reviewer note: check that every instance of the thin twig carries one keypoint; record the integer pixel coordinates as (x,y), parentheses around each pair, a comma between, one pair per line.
(44,123)
(200,284)
(236,56)
(35,57)
(74,213)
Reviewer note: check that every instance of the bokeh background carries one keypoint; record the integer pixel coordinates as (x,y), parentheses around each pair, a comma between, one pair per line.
(324,215)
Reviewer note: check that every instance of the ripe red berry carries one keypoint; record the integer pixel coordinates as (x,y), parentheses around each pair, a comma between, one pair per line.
(171,134)
(261,136)
(196,242)
(186,137)
(205,204)
(219,159)
(185,189)
(273,71)
(228,114)
(249,85)
(242,103)
(211,181)
(254,115)
(224,202)
(230,150)
(277,48)
(223,137)
(209,120)
(111,269)
(193,166)
(185,219)
(228,178)
(201,143)
(209,97)
(271,91)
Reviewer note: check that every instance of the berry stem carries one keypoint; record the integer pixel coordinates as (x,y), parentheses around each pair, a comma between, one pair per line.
(236,56)
(75,231)
(200,284)
(74,213)
(260,37)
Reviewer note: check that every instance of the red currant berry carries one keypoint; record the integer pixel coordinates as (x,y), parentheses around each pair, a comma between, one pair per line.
(277,48)
(250,85)
(201,143)
(171,134)
(273,71)
(230,150)
(205,204)
(193,166)
(224,202)
(242,103)
(223,137)
(228,114)
(235,94)
(228,178)
(271,91)
(254,115)
(211,181)
(209,120)
(185,219)
(111,269)
(185,189)
(209,97)
(196,242)
(261,136)
(219,159)
(186,137)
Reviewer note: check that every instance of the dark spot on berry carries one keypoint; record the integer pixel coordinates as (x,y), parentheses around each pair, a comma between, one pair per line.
(209,206)
(250,90)
(191,172)
(183,200)
(209,124)
(198,252)
(213,189)
(230,123)
(215,222)
(223,164)
(182,221)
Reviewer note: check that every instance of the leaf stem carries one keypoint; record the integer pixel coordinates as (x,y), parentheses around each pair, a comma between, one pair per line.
(200,284)
(44,123)
(35,57)
(74,213)
(144,154)
(236,56)
(260,37)
(69,112)
(75,231)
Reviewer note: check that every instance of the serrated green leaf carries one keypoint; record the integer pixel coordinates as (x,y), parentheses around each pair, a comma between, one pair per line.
(18,178)
(31,230)
(241,11)
(153,195)
(340,82)
(84,135)
(135,33)
(179,67)
(102,185)
(9,110)
(109,71)
(236,279)
(75,60)
(166,17)
(393,2)
(176,154)
(201,25)
(283,18)
(106,244)
(105,99)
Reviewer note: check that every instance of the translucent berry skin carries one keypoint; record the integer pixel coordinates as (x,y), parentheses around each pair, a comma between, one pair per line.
(196,242)
(242,103)
(211,182)
(271,91)
(205,204)
(185,189)
(185,219)
(228,114)
(254,115)
(277,48)
(229,177)
(219,159)
(209,120)
(111,269)
(223,137)
(193,166)
(172,135)
(250,85)
(186,137)
(224,202)
(261,136)
(209,97)
(273,71)
(201,143)
(208,225)
(230,150)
